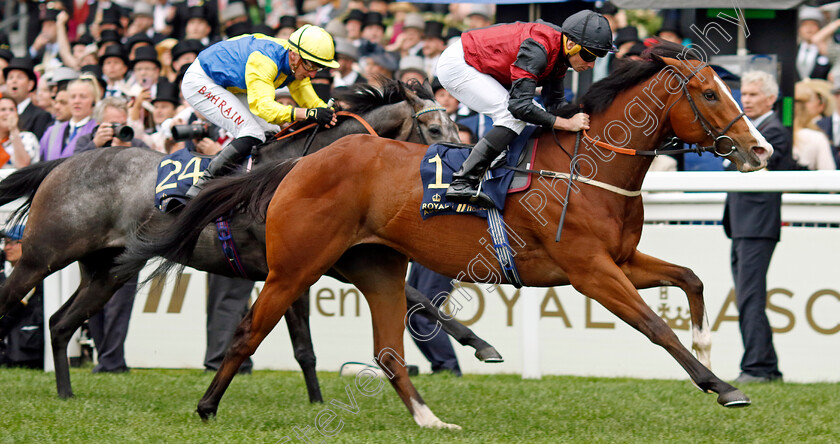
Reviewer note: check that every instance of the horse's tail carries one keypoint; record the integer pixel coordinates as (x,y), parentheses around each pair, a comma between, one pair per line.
(221,198)
(23,183)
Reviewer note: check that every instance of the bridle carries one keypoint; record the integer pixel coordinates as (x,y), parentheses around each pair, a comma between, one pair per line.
(415,122)
(719,137)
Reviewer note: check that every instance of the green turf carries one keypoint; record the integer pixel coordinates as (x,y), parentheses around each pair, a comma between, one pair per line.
(157,406)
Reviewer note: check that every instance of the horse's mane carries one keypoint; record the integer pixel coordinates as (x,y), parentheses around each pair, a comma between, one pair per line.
(630,73)
(362,98)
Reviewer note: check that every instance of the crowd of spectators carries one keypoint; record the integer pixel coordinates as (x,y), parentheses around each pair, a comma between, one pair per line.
(92,69)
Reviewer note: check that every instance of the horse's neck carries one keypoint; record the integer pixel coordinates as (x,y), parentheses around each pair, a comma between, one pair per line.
(382,119)
(626,171)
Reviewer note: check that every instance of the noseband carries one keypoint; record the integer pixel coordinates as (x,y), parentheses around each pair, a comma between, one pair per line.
(415,122)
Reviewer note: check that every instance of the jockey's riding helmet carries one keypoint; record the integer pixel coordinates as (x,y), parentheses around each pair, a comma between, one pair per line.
(315,45)
(591,31)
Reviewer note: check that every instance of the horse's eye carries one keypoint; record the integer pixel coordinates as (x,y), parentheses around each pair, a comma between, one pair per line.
(434,130)
(709,95)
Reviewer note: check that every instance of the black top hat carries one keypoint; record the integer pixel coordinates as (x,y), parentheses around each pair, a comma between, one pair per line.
(373,19)
(24,64)
(50,15)
(96,71)
(626,34)
(113,51)
(287,21)
(436,85)
(84,39)
(197,12)
(140,37)
(6,54)
(671,25)
(606,8)
(240,28)
(452,32)
(145,54)
(355,14)
(111,16)
(261,28)
(109,35)
(167,92)
(433,29)
(185,47)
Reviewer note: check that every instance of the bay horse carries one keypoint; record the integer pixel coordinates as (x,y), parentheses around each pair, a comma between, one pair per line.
(83,209)
(355,207)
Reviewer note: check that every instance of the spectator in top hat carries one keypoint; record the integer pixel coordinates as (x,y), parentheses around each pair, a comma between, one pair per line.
(410,40)
(234,20)
(433,45)
(111,20)
(108,38)
(381,66)
(671,30)
(44,49)
(480,15)
(114,68)
(136,41)
(142,22)
(347,57)
(21,147)
(146,68)
(372,32)
(22,328)
(185,53)
(812,60)
(20,82)
(411,68)
(353,24)
(166,106)
(288,25)
(198,26)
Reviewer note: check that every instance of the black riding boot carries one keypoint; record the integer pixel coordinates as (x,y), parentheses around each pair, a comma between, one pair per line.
(224,162)
(464,186)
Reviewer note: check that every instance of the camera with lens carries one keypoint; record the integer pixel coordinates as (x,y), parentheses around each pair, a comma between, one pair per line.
(123,132)
(181,133)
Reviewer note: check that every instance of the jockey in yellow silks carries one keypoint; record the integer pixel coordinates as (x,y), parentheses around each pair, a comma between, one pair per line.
(232,84)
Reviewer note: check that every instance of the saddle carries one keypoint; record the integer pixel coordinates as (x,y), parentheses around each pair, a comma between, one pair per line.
(441,160)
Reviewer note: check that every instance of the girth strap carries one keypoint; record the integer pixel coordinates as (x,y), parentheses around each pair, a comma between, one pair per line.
(504,253)
(229,247)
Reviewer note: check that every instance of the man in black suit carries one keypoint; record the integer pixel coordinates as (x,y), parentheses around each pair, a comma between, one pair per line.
(20,82)
(831,125)
(753,222)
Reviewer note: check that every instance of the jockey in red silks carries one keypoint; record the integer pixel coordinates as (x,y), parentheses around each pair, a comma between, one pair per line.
(496,70)
(232,84)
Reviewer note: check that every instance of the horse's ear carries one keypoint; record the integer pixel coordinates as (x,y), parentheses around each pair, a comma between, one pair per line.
(427,87)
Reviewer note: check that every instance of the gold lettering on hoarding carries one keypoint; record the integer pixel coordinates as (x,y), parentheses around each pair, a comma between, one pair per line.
(809,312)
(509,303)
(782,311)
(551,295)
(330,296)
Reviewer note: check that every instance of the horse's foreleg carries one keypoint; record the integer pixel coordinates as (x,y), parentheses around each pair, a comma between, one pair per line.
(297,319)
(270,306)
(647,271)
(612,289)
(26,275)
(379,273)
(466,337)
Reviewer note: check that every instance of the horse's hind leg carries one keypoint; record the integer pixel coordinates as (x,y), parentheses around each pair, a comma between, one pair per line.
(95,289)
(466,337)
(647,271)
(616,293)
(379,273)
(297,320)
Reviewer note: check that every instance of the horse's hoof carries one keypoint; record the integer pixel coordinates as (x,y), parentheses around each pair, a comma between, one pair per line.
(442,425)
(734,398)
(206,414)
(489,354)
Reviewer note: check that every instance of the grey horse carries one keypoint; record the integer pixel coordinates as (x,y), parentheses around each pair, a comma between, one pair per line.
(84,208)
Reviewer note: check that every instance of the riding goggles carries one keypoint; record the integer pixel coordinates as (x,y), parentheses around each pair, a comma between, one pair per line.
(589,55)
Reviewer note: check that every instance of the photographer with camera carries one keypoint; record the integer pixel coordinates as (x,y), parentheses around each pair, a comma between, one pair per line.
(111,113)
(232,84)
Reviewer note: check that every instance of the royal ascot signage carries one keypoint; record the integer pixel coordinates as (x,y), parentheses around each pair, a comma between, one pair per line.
(576,335)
